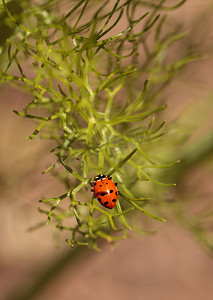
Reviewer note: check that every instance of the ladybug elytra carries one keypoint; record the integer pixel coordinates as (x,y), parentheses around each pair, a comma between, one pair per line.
(105,190)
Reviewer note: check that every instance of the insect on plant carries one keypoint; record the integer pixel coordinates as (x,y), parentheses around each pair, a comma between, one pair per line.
(93,221)
(105,190)
(82,114)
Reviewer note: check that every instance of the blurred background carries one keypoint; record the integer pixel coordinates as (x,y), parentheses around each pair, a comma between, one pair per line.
(172,264)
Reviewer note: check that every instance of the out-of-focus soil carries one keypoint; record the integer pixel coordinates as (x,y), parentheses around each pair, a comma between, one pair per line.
(167,265)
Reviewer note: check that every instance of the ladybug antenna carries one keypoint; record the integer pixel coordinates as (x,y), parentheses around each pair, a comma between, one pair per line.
(122,162)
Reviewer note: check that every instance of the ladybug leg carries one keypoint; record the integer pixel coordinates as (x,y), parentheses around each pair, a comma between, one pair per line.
(116,183)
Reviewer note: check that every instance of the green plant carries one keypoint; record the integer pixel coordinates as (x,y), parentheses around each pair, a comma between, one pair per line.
(85,78)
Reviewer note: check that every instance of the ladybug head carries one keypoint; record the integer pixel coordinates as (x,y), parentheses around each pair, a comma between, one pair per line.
(99,177)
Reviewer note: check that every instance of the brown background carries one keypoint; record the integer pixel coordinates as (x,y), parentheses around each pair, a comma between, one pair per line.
(168,265)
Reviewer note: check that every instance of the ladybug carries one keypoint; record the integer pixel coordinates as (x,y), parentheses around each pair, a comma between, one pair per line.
(105,190)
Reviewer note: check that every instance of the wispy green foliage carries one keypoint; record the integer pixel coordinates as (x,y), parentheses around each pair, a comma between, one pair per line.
(83,71)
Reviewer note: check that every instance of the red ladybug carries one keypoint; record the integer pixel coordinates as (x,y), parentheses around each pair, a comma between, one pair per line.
(105,190)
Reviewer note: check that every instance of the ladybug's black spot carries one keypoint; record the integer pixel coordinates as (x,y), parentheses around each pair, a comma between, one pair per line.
(106,202)
(116,193)
(113,200)
(106,182)
(94,183)
(111,191)
(102,194)
(100,185)
(99,199)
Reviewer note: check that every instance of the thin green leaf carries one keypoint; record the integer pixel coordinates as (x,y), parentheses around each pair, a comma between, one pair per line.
(122,162)
(147,213)
(132,199)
